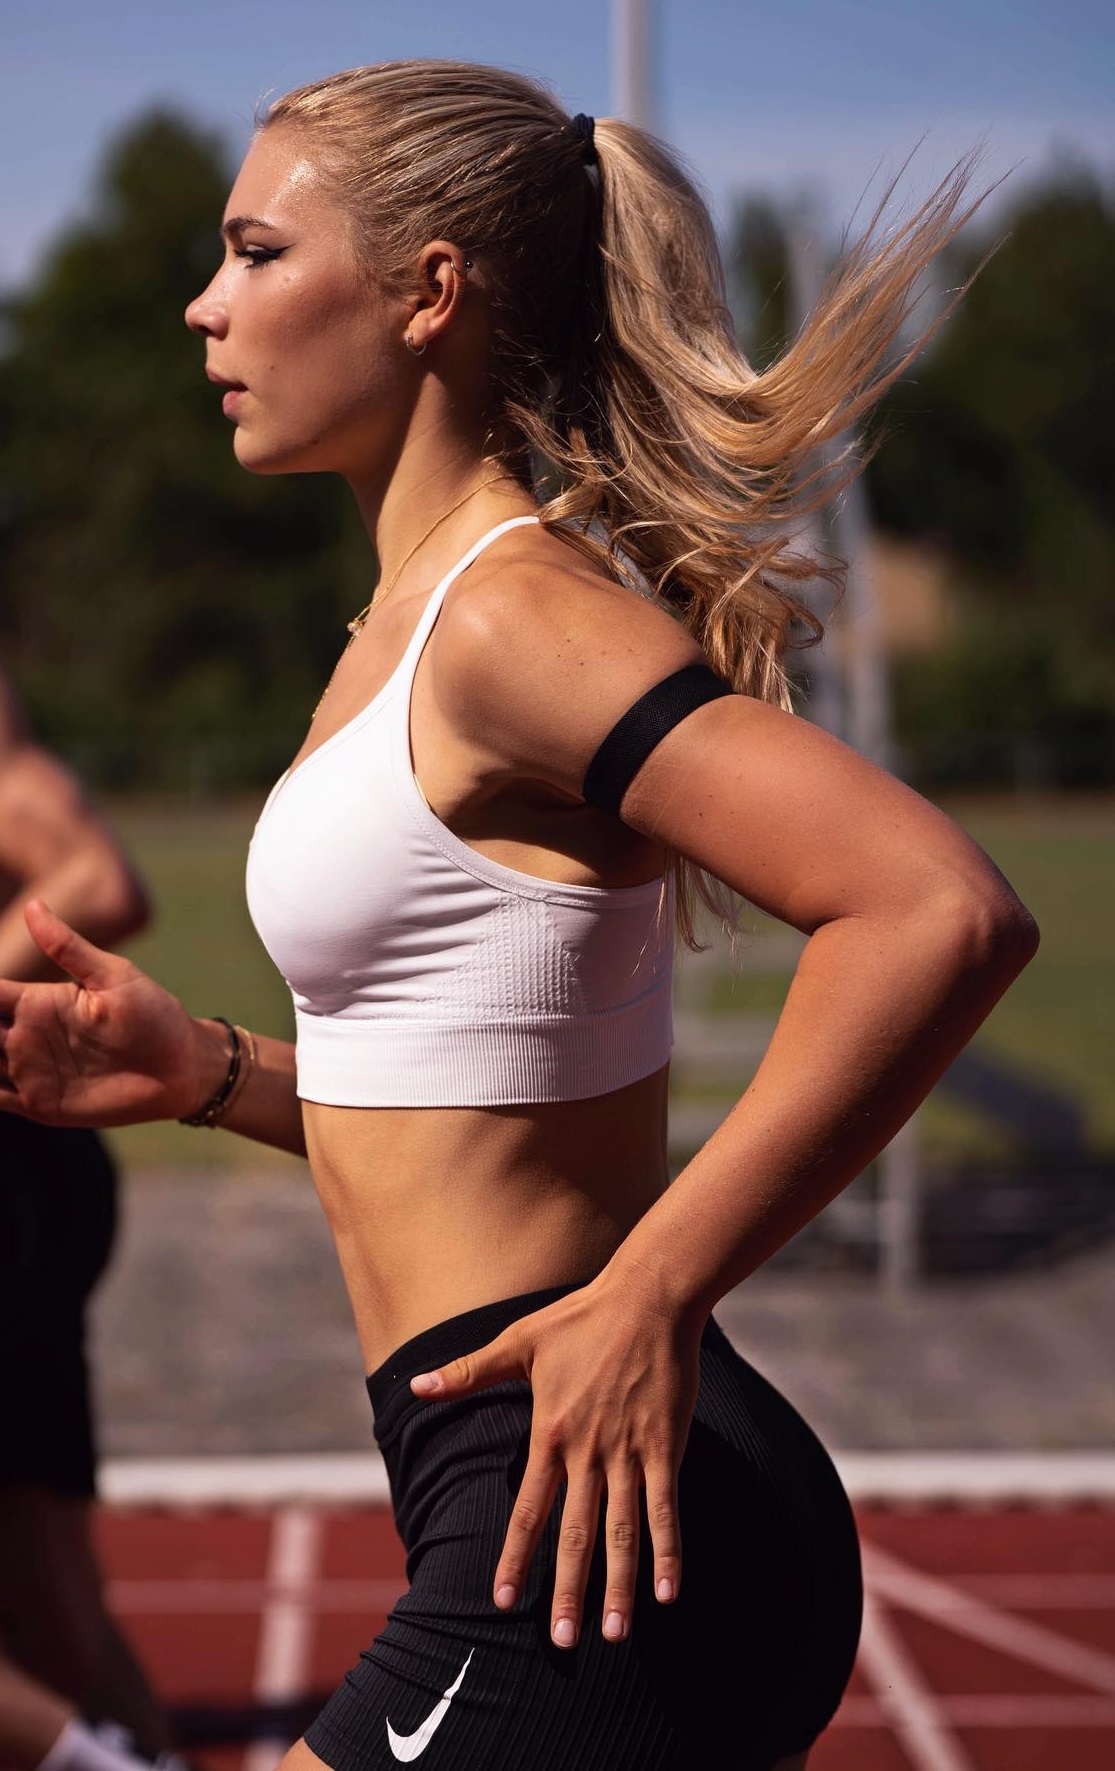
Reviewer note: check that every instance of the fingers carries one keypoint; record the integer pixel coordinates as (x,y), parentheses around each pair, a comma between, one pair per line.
(533,1503)
(576,1541)
(621,1539)
(502,1359)
(88,965)
(665,1531)
(579,1519)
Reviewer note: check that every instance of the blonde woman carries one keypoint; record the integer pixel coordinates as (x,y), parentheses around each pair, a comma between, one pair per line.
(505,328)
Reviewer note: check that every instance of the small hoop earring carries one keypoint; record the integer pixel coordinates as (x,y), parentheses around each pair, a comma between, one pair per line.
(416,350)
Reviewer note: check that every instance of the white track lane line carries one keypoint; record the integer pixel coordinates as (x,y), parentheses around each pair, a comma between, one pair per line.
(1041,1592)
(991,1477)
(956,1610)
(286,1622)
(991,1712)
(906,1699)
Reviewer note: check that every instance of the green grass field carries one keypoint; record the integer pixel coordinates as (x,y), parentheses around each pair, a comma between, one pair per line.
(1058,1023)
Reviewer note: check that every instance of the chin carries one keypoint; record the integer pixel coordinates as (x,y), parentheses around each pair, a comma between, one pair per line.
(258,457)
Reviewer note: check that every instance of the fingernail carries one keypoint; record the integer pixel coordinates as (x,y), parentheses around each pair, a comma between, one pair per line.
(505,1597)
(665,1590)
(565,1633)
(613,1626)
(426,1385)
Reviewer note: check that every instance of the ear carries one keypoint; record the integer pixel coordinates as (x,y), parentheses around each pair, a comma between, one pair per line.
(442,287)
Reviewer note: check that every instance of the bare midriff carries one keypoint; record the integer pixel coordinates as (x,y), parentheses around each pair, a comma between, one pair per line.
(441,1209)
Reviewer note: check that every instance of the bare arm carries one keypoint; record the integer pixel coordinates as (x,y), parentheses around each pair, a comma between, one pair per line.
(112,1047)
(53,846)
(913,937)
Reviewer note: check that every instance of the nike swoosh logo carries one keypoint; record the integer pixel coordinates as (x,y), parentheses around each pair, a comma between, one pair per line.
(408,1747)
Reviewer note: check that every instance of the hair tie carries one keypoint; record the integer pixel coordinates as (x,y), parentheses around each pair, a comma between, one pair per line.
(584,128)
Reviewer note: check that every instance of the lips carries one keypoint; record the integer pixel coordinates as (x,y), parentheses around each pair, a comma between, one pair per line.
(233,391)
(238,387)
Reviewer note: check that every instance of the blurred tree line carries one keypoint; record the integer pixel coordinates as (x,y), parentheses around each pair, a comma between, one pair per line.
(171,619)
(998,448)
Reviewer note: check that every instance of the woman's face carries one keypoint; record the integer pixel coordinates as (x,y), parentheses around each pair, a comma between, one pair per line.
(312,356)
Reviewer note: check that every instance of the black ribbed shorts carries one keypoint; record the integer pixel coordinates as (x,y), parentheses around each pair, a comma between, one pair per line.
(57,1220)
(746,1666)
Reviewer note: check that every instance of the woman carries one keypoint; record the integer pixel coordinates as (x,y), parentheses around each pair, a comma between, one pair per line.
(435,281)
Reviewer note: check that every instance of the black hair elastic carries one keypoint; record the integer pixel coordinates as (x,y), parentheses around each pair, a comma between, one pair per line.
(584,128)
(642,727)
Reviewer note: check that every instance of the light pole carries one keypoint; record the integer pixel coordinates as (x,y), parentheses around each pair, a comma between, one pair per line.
(633,94)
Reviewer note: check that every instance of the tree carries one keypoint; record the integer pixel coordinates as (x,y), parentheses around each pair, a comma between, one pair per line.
(158,599)
(998,447)
(1001,446)
(758,265)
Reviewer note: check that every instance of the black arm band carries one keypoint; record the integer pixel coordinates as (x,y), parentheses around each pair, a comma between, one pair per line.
(632,738)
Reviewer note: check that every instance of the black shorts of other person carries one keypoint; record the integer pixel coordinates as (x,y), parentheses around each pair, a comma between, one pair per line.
(57,1220)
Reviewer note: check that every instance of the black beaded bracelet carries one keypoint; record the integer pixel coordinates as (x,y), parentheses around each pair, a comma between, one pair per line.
(217,1102)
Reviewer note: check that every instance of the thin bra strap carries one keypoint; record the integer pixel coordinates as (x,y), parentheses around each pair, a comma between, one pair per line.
(437,596)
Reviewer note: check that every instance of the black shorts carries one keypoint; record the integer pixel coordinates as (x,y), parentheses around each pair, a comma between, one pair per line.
(57,1219)
(747,1665)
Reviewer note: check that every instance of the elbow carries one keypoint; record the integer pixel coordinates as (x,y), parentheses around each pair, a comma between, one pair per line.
(990,930)
(116,902)
(131,907)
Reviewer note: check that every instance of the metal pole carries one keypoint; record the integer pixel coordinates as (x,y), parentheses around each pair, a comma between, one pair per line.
(867,679)
(633,61)
(824,664)
(900,1210)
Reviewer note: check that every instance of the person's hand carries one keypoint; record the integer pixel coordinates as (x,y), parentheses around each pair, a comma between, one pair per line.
(615,1382)
(110,1048)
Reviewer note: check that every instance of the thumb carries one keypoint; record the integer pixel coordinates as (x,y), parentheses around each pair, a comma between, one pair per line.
(87,965)
(501,1359)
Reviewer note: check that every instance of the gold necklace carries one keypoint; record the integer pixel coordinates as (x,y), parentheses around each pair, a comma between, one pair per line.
(358,622)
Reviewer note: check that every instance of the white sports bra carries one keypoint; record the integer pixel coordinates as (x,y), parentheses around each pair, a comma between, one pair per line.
(424,974)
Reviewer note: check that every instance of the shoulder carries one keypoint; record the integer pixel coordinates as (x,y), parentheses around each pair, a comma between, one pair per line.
(540,653)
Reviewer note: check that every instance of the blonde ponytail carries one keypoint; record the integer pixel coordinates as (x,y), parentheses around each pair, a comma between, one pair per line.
(616,370)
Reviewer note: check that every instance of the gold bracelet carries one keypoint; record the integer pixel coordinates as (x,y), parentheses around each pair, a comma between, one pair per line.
(249,1044)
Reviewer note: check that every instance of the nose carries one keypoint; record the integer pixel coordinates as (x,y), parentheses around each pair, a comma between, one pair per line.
(207,314)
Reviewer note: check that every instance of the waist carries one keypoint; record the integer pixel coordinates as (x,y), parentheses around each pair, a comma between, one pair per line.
(434,1212)
(389,1391)
(399,1060)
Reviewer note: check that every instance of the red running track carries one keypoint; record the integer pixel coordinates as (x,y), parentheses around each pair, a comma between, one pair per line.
(989,1640)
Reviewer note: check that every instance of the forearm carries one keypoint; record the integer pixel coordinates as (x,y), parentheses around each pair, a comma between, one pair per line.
(93,890)
(874,1016)
(264,1107)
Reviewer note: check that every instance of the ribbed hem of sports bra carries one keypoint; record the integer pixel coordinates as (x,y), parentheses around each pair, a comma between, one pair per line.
(512,1063)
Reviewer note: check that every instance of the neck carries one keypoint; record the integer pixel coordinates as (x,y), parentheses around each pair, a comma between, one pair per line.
(423,485)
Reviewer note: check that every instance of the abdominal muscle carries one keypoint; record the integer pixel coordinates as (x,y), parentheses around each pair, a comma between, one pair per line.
(441,1209)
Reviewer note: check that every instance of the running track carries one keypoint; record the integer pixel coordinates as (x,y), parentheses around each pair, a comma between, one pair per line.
(989,1641)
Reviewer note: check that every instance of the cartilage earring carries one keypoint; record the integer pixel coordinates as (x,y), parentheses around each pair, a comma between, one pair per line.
(416,350)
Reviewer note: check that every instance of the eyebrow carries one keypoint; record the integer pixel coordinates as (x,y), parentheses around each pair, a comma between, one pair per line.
(237,224)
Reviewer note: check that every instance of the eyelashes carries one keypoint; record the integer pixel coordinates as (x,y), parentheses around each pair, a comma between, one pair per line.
(257,256)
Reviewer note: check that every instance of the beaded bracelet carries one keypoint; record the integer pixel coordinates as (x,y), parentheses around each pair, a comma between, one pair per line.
(216,1104)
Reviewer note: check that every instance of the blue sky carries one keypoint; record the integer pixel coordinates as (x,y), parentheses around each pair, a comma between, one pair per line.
(790,96)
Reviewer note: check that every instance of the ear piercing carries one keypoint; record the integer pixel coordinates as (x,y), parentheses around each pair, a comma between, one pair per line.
(418,350)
